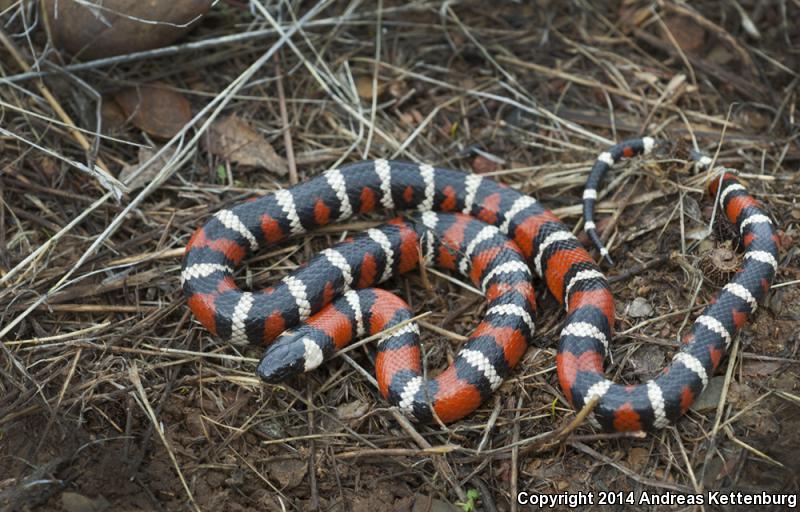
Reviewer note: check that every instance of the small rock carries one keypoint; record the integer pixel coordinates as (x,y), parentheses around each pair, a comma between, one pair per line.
(709,398)
(720,54)
(75,502)
(288,473)
(271,429)
(352,410)
(640,308)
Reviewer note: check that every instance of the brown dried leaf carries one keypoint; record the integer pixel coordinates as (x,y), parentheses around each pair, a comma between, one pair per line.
(116,28)
(234,139)
(155,109)
(364,87)
(631,17)
(690,36)
(482,165)
(113,117)
(147,175)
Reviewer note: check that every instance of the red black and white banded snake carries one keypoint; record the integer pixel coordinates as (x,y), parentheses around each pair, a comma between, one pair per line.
(492,234)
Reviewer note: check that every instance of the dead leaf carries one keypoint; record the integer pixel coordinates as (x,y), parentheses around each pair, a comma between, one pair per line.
(364,87)
(147,175)
(90,32)
(234,139)
(690,36)
(631,17)
(112,116)
(155,109)
(483,165)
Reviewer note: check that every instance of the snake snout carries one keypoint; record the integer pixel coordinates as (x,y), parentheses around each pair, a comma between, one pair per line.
(286,357)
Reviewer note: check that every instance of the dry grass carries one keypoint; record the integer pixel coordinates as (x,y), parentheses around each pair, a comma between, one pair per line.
(108,388)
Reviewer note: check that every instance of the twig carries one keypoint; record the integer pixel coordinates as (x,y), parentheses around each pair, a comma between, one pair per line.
(287,131)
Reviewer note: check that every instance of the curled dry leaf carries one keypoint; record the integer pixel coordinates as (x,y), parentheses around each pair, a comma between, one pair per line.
(150,171)
(112,116)
(690,36)
(91,30)
(155,109)
(365,89)
(234,139)
(483,165)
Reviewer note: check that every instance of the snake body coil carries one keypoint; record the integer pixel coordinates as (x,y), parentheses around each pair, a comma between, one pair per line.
(490,233)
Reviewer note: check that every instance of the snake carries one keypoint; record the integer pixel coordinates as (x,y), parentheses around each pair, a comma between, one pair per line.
(493,235)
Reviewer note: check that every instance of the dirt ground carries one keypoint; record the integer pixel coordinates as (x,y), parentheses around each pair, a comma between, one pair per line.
(113,398)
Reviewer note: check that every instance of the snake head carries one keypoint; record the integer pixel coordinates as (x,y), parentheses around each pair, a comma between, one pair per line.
(292,353)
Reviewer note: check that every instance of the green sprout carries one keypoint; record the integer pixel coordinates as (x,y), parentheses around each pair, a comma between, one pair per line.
(472,497)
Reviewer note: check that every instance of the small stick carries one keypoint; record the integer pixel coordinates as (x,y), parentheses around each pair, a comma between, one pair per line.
(287,133)
(637,269)
(515,457)
(312,448)
(397,452)
(459,338)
